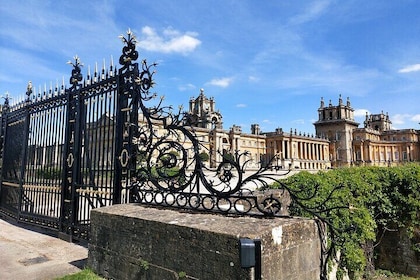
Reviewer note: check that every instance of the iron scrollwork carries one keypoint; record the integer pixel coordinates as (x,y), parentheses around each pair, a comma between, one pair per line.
(168,168)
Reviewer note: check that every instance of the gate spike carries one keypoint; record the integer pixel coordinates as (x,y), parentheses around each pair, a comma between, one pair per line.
(56,88)
(103,71)
(96,72)
(51,88)
(62,87)
(111,66)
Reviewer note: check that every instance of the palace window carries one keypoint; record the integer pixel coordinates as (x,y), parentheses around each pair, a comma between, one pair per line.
(337,136)
(358,155)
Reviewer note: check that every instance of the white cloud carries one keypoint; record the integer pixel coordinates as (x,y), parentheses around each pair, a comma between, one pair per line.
(186,87)
(361,112)
(253,79)
(415,118)
(298,121)
(400,118)
(170,41)
(410,68)
(314,11)
(222,82)
(241,105)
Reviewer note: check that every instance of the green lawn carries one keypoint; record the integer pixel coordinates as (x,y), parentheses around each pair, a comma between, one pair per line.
(85,274)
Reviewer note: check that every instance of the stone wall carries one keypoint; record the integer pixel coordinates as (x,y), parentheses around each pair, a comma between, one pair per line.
(395,252)
(136,242)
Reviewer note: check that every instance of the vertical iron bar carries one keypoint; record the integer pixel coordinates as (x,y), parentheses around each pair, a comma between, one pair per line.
(3,133)
(24,153)
(71,161)
(79,155)
(44,147)
(102,136)
(111,140)
(134,121)
(33,144)
(121,118)
(47,132)
(96,143)
(62,160)
(37,148)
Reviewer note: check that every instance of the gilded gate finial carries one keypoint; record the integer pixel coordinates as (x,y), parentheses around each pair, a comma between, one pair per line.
(76,75)
(129,52)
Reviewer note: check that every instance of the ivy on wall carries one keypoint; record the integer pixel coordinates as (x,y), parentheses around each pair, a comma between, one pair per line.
(378,199)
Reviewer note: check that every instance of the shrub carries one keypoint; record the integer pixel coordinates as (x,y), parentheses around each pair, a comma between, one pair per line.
(358,203)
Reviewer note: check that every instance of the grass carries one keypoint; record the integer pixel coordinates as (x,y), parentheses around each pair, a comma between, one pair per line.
(85,274)
(384,274)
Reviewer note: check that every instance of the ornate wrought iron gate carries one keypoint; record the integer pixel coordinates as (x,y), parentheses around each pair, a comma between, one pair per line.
(58,149)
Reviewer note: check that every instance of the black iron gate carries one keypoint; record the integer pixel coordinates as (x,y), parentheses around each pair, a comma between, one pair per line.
(58,148)
(65,151)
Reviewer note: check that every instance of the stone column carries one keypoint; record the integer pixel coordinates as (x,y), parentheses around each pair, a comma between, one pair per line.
(283,149)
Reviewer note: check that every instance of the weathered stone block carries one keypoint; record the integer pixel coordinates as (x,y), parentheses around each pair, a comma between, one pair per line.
(135,242)
(395,252)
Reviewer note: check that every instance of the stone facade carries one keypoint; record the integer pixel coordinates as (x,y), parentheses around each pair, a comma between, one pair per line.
(336,124)
(135,242)
(297,151)
(285,150)
(375,144)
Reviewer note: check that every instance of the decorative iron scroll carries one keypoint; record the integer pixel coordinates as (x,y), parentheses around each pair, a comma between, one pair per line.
(167,168)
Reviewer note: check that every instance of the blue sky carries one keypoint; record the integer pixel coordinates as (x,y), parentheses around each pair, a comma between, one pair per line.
(265,62)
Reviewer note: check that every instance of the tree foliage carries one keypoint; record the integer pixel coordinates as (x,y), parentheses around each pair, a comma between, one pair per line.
(359,203)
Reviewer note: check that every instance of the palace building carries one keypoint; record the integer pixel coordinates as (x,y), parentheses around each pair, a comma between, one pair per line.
(338,140)
(284,150)
(376,144)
